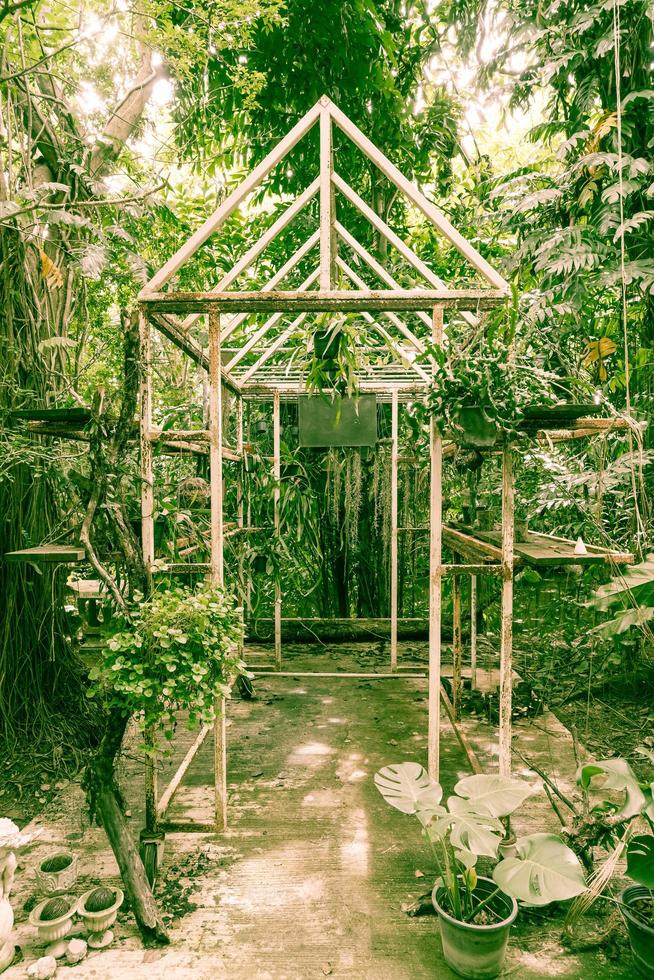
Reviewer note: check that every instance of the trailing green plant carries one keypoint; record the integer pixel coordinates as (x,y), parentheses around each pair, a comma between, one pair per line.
(333,366)
(478,392)
(179,652)
(469,827)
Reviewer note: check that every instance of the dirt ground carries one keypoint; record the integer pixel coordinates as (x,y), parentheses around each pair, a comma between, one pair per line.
(310,879)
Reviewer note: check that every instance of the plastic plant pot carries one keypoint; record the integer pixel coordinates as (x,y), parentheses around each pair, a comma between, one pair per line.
(476,951)
(326,344)
(475,427)
(641,935)
(53,876)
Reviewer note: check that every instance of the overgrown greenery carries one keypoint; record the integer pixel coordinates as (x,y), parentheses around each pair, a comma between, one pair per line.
(122,129)
(178,653)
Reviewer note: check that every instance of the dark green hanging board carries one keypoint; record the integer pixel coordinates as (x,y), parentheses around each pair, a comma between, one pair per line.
(327,421)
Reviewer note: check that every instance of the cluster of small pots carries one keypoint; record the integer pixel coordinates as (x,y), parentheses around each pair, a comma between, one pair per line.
(53,916)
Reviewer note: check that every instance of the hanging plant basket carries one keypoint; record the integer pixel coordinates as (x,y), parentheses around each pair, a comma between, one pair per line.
(475,427)
(326,344)
(259,564)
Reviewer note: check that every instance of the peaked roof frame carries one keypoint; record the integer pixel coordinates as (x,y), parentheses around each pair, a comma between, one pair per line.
(393,300)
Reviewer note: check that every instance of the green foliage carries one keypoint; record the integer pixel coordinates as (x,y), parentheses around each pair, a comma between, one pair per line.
(179,652)
(640,860)
(468,827)
(632,592)
(485,378)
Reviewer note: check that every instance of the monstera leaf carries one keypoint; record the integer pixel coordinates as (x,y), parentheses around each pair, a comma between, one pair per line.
(640,860)
(619,776)
(408,788)
(545,870)
(479,833)
(497,795)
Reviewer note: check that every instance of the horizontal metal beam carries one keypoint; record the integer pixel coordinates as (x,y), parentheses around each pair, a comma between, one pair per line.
(345,301)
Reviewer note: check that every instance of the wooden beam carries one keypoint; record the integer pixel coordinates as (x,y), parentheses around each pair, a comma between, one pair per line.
(506,617)
(170,329)
(466,544)
(231,323)
(274,347)
(435,575)
(174,784)
(147,473)
(265,327)
(259,246)
(456,645)
(416,197)
(277,516)
(394,454)
(326,201)
(401,326)
(232,201)
(379,270)
(384,229)
(334,301)
(473,632)
(217,538)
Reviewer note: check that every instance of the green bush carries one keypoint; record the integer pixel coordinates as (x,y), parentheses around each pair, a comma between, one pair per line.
(179,652)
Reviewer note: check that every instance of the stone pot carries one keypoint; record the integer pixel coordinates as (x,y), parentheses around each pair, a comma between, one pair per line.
(57,882)
(98,923)
(476,951)
(53,931)
(641,935)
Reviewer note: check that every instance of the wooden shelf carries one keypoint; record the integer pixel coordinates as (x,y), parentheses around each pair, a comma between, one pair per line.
(539,550)
(49,553)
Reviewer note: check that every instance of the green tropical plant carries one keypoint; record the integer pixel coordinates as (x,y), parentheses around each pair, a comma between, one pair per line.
(478,392)
(469,826)
(179,652)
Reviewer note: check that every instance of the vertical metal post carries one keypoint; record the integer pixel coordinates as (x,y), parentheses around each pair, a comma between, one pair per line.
(147,476)
(277,477)
(217,574)
(394,455)
(327,202)
(240,508)
(456,645)
(473,632)
(435,575)
(147,534)
(506,623)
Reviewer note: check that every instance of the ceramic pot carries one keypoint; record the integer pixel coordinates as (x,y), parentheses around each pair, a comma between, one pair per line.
(641,935)
(476,951)
(57,882)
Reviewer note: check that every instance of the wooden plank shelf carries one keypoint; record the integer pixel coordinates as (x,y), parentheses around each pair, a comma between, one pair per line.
(53,553)
(539,550)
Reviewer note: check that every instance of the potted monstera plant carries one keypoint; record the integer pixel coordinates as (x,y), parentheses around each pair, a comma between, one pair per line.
(476,912)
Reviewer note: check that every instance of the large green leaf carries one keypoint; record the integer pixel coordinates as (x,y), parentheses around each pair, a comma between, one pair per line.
(618,776)
(545,870)
(497,795)
(408,788)
(640,860)
(479,833)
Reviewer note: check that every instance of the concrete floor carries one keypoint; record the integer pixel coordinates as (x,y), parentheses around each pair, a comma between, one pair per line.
(310,878)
